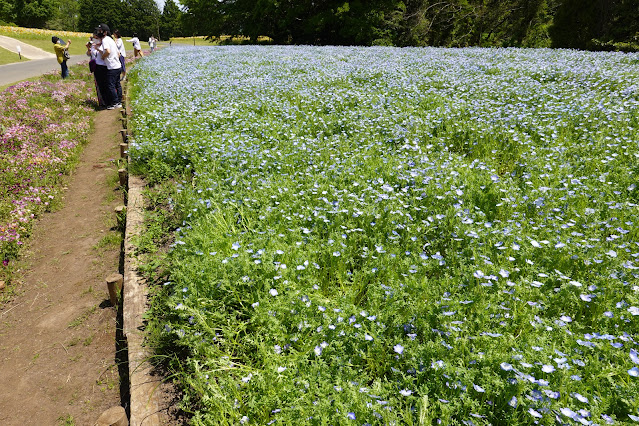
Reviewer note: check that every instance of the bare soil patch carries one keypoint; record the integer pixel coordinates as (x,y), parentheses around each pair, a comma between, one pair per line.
(58,352)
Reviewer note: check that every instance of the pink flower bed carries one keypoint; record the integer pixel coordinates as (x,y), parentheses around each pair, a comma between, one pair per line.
(42,126)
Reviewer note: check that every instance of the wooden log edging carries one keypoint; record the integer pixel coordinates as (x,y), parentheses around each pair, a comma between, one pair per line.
(143,386)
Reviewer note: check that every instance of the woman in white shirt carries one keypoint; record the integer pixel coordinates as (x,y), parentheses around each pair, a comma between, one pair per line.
(120,44)
(110,56)
(137,49)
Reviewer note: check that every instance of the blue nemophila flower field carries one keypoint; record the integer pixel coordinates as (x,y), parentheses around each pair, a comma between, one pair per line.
(397,236)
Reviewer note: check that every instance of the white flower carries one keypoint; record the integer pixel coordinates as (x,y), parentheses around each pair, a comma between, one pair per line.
(406,392)
(534,413)
(478,388)
(398,348)
(505,366)
(580,397)
(273,292)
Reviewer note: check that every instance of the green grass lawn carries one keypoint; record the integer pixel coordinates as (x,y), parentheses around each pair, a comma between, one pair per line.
(193,41)
(9,57)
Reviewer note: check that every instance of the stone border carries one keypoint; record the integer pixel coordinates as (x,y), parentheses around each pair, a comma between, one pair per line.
(143,386)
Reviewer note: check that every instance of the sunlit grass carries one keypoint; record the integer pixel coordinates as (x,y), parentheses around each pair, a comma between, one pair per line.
(9,57)
(42,38)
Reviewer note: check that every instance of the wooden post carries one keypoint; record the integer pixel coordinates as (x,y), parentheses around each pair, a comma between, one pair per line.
(122,175)
(124,150)
(125,136)
(114,285)
(123,112)
(120,215)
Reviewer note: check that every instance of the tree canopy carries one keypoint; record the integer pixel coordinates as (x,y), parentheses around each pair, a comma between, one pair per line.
(129,16)
(581,24)
(528,23)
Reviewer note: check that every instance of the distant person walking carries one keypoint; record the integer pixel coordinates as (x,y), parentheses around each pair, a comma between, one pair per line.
(62,54)
(120,44)
(137,49)
(152,41)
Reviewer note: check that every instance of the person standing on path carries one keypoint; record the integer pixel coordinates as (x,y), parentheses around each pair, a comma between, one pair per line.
(92,53)
(152,43)
(110,54)
(60,50)
(137,49)
(120,44)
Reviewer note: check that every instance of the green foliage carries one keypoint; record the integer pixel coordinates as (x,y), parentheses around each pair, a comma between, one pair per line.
(171,21)
(7,14)
(34,13)
(593,24)
(66,17)
(524,23)
(131,16)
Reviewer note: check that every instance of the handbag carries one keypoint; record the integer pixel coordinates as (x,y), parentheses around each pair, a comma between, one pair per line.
(66,54)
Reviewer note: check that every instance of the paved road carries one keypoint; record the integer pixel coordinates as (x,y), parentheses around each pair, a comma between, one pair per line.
(18,71)
(28,51)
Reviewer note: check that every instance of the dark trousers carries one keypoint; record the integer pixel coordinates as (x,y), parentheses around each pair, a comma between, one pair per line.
(65,69)
(114,88)
(102,79)
(118,85)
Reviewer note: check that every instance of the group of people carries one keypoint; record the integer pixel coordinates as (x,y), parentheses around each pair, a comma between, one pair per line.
(107,64)
(107,55)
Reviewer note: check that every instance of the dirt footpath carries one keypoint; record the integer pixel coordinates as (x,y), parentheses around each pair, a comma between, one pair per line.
(58,363)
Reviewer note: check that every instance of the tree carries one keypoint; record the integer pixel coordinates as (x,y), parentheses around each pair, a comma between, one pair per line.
(171,20)
(66,16)
(143,18)
(34,13)
(593,24)
(111,12)
(526,23)
(7,14)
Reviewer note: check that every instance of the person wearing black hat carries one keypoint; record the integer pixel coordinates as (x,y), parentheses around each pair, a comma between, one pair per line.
(61,54)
